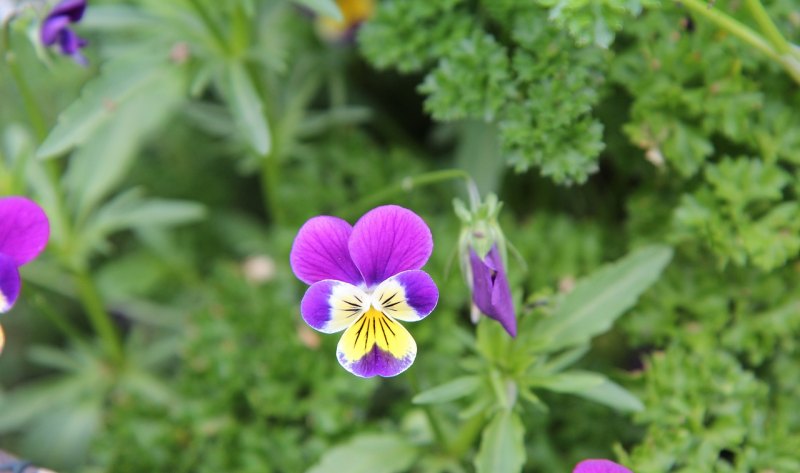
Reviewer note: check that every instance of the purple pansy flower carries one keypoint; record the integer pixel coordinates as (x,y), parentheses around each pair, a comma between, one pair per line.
(24,231)
(490,290)
(599,466)
(364,278)
(55,29)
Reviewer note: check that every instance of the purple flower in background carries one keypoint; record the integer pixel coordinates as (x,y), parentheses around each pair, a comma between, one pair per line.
(364,278)
(55,29)
(24,231)
(599,466)
(490,289)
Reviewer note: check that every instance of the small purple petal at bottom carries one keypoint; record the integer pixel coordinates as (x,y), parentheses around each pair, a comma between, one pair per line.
(599,466)
(377,363)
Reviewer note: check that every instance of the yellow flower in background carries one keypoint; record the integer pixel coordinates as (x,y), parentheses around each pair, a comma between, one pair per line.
(354,12)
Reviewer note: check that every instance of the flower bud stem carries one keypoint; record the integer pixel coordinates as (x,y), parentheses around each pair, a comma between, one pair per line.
(410,183)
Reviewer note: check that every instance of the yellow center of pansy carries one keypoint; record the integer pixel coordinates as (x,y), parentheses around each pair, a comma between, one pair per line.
(375,328)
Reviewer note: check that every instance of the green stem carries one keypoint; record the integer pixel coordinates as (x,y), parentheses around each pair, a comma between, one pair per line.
(98,316)
(270,178)
(60,322)
(467,434)
(407,185)
(750,36)
(767,26)
(732,26)
(433,421)
(87,291)
(28,99)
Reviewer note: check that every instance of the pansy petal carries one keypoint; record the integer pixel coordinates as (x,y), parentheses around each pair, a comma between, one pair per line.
(331,306)
(72,9)
(24,229)
(599,466)
(9,283)
(320,251)
(51,29)
(491,291)
(388,240)
(409,296)
(376,345)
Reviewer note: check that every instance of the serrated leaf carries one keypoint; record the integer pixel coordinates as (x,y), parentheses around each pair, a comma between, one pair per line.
(100,98)
(248,109)
(323,7)
(368,453)
(449,391)
(502,445)
(599,299)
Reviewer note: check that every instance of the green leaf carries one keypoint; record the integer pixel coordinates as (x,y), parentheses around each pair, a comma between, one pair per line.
(612,395)
(130,210)
(502,445)
(248,109)
(98,102)
(598,300)
(368,453)
(592,386)
(569,382)
(146,212)
(566,358)
(98,167)
(324,8)
(449,391)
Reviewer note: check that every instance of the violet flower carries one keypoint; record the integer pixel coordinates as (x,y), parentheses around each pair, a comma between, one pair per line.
(599,466)
(55,29)
(490,290)
(364,278)
(24,231)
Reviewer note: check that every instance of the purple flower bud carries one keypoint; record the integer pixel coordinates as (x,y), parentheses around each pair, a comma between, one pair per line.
(490,289)
(55,29)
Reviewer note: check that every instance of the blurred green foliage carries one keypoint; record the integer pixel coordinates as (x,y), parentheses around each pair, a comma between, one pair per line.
(648,159)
